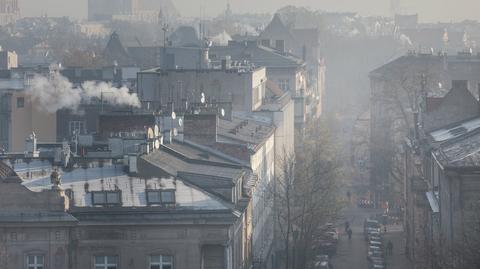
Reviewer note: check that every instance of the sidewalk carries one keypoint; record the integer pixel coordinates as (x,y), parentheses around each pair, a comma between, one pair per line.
(398,260)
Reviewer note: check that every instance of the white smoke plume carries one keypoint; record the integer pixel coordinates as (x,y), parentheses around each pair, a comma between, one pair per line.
(57,92)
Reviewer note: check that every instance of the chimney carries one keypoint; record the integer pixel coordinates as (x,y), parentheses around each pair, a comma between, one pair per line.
(201,128)
(204,61)
(460,84)
(31,145)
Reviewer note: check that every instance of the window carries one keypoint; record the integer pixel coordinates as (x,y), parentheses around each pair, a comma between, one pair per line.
(76,127)
(106,198)
(156,197)
(284,84)
(35,262)
(20,102)
(161,262)
(106,262)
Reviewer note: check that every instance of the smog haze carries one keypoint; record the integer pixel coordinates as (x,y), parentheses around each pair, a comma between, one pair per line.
(429,10)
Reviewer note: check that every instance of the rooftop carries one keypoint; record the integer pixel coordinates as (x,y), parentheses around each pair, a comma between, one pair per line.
(252,131)
(256,54)
(174,159)
(460,152)
(83,182)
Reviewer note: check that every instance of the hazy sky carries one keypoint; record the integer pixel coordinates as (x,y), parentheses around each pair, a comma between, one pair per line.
(429,10)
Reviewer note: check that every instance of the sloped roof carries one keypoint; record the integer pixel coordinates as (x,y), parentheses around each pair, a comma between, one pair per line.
(256,54)
(458,105)
(460,152)
(112,178)
(173,162)
(115,52)
(6,171)
(185,36)
(405,62)
(276,28)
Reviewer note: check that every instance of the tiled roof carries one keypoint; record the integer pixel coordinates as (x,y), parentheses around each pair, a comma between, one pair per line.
(6,171)
(460,152)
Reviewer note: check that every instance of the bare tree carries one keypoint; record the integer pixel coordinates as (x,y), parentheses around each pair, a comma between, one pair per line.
(306,195)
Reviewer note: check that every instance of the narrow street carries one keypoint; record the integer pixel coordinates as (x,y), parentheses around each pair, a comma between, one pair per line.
(352,254)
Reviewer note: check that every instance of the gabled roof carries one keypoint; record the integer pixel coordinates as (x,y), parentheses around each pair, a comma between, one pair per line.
(115,52)
(276,28)
(458,105)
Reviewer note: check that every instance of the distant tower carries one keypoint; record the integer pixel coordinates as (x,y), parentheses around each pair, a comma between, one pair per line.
(394,7)
(9,11)
(228,11)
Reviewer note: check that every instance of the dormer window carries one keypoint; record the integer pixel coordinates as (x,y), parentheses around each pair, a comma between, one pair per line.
(106,198)
(160,197)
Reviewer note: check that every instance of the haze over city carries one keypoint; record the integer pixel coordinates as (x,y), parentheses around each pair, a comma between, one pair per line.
(239,134)
(429,10)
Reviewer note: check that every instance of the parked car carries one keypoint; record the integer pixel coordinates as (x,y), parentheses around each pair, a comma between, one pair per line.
(372,233)
(374,252)
(377,266)
(322,265)
(322,262)
(325,247)
(377,261)
(373,237)
(375,243)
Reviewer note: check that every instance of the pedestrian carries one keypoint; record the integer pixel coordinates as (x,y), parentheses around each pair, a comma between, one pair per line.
(349,233)
(349,196)
(385,228)
(347,226)
(390,247)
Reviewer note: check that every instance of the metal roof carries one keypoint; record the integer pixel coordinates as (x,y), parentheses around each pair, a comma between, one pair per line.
(456,130)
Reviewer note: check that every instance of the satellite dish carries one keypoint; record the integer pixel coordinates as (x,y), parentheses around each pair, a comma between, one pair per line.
(156,130)
(175,132)
(174,116)
(222,112)
(180,122)
(157,144)
(440,85)
(202,99)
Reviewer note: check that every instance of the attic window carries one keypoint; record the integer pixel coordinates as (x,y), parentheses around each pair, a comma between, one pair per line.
(106,198)
(160,197)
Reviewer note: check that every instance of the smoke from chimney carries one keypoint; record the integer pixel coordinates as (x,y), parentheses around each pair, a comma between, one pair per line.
(57,92)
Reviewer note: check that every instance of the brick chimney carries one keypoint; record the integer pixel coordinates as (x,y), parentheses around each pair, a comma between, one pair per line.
(201,128)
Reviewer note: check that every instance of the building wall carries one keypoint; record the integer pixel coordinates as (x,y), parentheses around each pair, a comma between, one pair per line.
(105,9)
(8,60)
(52,242)
(5,120)
(156,90)
(263,165)
(30,118)
(133,244)
(284,121)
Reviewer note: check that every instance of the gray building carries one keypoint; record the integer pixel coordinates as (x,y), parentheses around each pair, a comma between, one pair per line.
(101,217)
(399,89)
(441,182)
